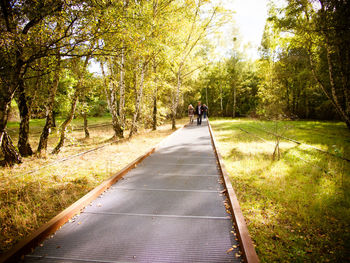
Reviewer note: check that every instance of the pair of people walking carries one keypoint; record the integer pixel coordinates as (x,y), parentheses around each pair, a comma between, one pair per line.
(200,110)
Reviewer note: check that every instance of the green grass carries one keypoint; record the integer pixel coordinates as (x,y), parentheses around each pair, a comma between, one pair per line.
(296,210)
(36,125)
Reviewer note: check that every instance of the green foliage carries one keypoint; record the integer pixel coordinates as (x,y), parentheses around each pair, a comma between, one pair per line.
(311,41)
(218,82)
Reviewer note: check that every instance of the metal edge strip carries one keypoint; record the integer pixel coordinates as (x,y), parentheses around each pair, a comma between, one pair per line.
(29,243)
(246,242)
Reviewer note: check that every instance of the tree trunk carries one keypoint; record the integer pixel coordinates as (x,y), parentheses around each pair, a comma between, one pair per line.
(7,147)
(50,118)
(9,151)
(287,97)
(342,111)
(221,105)
(86,128)
(112,105)
(155,109)
(72,109)
(122,92)
(8,88)
(176,100)
(54,119)
(24,111)
(336,105)
(155,95)
(67,122)
(234,102)
(139,94)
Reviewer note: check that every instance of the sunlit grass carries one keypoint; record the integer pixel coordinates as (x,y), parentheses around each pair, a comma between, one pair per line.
(27,200)
(297,208)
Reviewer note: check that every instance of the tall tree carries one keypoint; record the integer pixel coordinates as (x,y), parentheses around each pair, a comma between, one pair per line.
(111,96)
(49,122)
(30,33)
(323,28)
(80,73)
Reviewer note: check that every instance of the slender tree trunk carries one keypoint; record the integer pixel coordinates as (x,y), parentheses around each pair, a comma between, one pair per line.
(86,128)
(72,109)
(176,99)
(122,91)
(116,122)
(206,100)
(155,95)
(336,105)
(287,97)
(139,94)
(344,72)
(50,118)
(234,102)
(24,111)
(112,105)
(345,117)
(221,104)
(67,122)
(54,119)
(155,109)
(293,101)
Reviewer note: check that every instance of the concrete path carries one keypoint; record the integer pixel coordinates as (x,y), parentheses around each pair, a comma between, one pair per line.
(168,209)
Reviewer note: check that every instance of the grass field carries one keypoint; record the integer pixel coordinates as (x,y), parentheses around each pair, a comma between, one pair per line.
(297,208)
(31,193)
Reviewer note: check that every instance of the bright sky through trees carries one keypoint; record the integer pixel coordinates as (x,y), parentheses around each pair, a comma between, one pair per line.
(250,18)
(247,25)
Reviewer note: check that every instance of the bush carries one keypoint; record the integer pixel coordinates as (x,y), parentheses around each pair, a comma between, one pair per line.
(99,109)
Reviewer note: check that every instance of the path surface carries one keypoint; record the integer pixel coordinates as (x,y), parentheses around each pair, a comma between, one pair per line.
(168,209)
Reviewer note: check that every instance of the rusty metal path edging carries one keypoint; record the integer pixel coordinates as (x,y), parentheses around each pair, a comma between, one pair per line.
(25,246)
(246,242)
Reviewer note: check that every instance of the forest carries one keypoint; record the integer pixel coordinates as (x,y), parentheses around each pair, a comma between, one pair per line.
(155,58)
(137,65)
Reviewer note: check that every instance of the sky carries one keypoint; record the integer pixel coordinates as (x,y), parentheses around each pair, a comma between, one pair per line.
(248,17)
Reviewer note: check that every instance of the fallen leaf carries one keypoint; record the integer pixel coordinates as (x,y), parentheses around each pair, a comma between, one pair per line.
(229,250)
(237,255)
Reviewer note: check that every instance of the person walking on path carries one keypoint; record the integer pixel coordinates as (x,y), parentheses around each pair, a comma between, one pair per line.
(205,111)
(199,112)
(191,112)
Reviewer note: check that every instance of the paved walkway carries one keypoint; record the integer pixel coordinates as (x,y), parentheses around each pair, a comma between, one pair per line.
(168,209)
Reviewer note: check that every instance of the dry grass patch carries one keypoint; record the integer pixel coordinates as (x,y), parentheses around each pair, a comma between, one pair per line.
(27,200)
